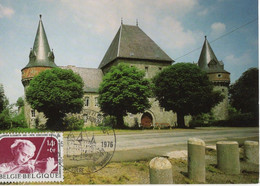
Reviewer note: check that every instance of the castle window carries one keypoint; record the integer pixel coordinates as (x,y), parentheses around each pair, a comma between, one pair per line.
(219,75)
(160,68)
(85,117)
(96,101)
(32,113)
(87,101)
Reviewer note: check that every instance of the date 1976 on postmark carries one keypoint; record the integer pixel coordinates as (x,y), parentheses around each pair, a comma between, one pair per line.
(31,157)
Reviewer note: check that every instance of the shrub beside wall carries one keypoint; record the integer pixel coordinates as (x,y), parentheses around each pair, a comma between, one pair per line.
(72,122)
(19,120)
(235,120)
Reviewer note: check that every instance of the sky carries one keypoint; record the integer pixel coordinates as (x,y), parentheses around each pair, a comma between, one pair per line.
(80,31)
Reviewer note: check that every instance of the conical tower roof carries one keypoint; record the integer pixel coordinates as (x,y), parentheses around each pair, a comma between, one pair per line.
(132,43)
(207,55)
(40,54)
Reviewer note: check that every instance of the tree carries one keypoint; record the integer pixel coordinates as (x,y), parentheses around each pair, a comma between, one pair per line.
(56,92)
(244,93)
(5,119)
(185,89)
(18,118)
(20,102)
(124,90)
(3,99)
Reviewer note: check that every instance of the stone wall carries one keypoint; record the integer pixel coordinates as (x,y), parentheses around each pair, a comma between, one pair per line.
(150,67)
(32,120)
(159,116)
(220,111)
(91,110)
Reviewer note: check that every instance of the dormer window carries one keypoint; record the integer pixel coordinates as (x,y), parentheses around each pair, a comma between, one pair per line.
(32,55)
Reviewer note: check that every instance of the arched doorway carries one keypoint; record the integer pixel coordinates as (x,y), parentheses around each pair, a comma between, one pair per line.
(146,120)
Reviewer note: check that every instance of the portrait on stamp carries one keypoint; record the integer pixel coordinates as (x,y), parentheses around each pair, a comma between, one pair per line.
(30,157)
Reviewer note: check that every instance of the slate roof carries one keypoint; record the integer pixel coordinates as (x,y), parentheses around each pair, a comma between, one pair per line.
(208,60)
(40,54)
(91,77)
(132,43)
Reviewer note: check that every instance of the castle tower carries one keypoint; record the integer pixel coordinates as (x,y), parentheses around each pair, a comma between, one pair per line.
(40,58)
(216,73)
(132,46)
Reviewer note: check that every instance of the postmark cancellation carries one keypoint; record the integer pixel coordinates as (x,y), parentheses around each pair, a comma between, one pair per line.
(31,157)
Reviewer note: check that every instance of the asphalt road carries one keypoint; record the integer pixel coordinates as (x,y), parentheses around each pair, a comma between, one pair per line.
(147,145)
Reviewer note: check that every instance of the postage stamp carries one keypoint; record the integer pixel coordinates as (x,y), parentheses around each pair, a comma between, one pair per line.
(31,157)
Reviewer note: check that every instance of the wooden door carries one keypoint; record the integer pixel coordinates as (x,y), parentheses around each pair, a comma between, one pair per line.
(146,120)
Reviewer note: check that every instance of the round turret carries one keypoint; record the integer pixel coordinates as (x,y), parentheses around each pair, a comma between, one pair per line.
(40,58)
(216,74)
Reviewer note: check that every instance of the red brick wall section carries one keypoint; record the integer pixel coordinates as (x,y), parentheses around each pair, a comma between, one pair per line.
(219,77)
(29,73)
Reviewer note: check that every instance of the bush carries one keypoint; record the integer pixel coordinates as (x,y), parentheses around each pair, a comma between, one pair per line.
(202,120)
(136,125)
(109,121)
(5,120)
(235,120)
(19,120)
(196,123)
(72,122)
(243,120)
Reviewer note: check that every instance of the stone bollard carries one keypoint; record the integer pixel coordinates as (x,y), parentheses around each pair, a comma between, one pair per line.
(160,170)
(196,160)
(228,157)
(251,152)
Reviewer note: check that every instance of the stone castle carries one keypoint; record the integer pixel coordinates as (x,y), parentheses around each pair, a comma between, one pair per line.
(132,46)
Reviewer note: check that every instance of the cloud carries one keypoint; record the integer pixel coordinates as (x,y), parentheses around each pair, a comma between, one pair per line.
(99,17)
(174,35)
(217,29)
(103,16)
(6,11)
(237,64)
(244,60)
(177,7)
(160,20)
(203,12)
